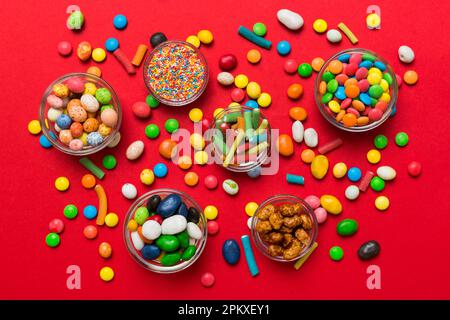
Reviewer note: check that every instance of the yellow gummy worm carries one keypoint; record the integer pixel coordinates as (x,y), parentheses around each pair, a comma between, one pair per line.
(353,39)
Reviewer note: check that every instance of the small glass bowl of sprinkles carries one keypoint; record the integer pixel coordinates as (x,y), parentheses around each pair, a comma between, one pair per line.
(176,73)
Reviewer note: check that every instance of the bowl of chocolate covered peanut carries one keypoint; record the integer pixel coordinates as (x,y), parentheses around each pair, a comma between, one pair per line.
(284,228)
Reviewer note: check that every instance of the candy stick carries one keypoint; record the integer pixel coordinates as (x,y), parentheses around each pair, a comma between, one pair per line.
(258,148)
(250,36)
(240,123)
(122,58)
(249,255)
(353,39)
(254,139)
(231,117)
(248,123)
(139,55)
(102,204)
(295,179)
(236,143)
(219,143)
(298,264)
(330,146)
(262,127)
(365,182)
(88,164)
(255,117)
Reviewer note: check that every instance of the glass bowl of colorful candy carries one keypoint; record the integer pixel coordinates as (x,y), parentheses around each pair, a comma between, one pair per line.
(176,73)
(356,90)
(284,228)
(80,114)
(165,231)
(241,138)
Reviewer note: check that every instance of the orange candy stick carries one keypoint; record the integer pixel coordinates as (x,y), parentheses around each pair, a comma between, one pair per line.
(102,204)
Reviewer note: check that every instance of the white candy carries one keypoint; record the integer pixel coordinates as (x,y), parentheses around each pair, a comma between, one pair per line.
(151,229)
(57,128)
(89,102)
(225,78)
(135,150)
(249,222)
(386,173)
(115,141)
(137,241)
(174,224)
(290,19)
(129,191)
(334,36)
(194,231)
(297,131)
(53,114)
(311,137)
(352,192)
(230,186)
(406,54)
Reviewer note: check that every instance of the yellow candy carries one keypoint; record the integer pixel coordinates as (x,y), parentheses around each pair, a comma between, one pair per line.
(34,127)
(98,54)
(250,208)
(89,88)
(339,170)
(319,166)
(132,225)
(334,106)
(104,130)
(264,100)
(217,111)
(382,203)
(331,204)
(194,41)
(62,183)
(61,90)
(197,141)
(373,78)
(373,156)
(83,138)
(106,274)
(201,157)
(384,85)
(111,220)
(373,21)
(234,104)
(147,177)
(385,97)
(241,81)
(375,70)
(253,90)
(211,212)
(195,115)
(320,26)
(205,36)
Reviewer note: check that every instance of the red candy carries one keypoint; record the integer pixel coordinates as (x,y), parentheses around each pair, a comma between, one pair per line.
(141,110)
(211,182)
(414,169)
(157,218)
(205,124)
(237,94)
(375,114)
(227,62)
(213,227)
(64,48)
(56,225)
(290,66)
(208,279)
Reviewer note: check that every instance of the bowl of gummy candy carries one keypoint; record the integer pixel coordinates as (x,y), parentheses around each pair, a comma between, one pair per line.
(241,138)
(80,114)
(356,90)
(165,231)
(176,73)
(284,228)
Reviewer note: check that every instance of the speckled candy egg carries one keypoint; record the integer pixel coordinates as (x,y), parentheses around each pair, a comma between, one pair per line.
(76,144)
(109,117)
(90,125)
(89,103)
(65,136)
(90,88)
(76,85)
(61,90)
(73,103)
(53,114)
(76,129)
(104,130)
(94,139)
(63,121)
(77,113)
(103,95)
(55,102)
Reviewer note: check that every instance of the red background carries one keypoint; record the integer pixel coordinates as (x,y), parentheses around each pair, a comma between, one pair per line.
(413,233)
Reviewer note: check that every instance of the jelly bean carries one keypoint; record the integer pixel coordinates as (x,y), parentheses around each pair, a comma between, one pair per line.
(169,205)
(414,169)
(304,70)
(369,250)
(352,192)
(135,150)
(194,231)
(284,145)
(347,227)
(211,182)
(254,56)
(160,170)
(313,201)
(70,211)
(157,38)
(227,62)
(307,155)
(168,243)
(339,170)
(320,25)
(354,174)
(56,226)
(331,204)
(90,232)
(231,252)
(207,280)
(298,113)
(380,141)
(319,166)
(141,110)
(105,250)
(290,66)
(136,240)
(386,173)
(334,36)
(193,215)
(153,202)
(373,156)
(295,91)
(129,191)
(150,252)
(189,253)
(321,215)
(106,274)
(297,131)
(311,137)
(230,187)
(173,225)
(147,177)
(283,47)
(290,19)
(377,184)
(210,212)
(336,253)
(64,48)
(182,210)
(120,21)
(405,54)
(382,203)
(401,139)
(111,220)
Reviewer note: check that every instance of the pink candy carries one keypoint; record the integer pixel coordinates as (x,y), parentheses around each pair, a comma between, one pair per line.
(56,225)
(75,85)
(290,66)
(321,215)
(313,201)
(64,48)
(237,94)
(141,110)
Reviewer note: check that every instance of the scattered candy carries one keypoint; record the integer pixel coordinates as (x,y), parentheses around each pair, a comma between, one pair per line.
(166,148)
(88,164)
(347,227)
(171,125)
(365,181)
(225,78)
(311,138)
(227,62)
(56,225)
(213,227)
(105,250)
(295,91)
(295,179)
(401,139)
(207,280)
(336,253)
(102,204)
(106,274)
(313,201)
(98,55)
(84,51)
(339,170)
(297,131)
(52,240)
(304,70)
(147,177)
(373,156)
(62,183)
(111,44)
(320,26)
(284,145)
(382,203)
(211,182)
(283,48)
(129,191)
(321,215)
(64,48)
(319,166)
(191,179)
(230,187)
(260,29)
(377,184)
(194,40)
(195,115)
(135,150)
(298,113)
(160,170)
(94,70)
(380,141)
(141,110)
(348,33)
(410,77)
(414,169)
(317,64)
(369,250)
(120,22)
(290,19)
(109,162)
(307,156)
(124,61)
(290,66)
(386,173)
(90,232)
(331,204)
(34,127)
(352,192)
(205,36)
(157,38)
(334,36)
(250,36)
(254,56)
(251,263)
(354,174)
(111,220)
(405,54)
(330,146)
(152,131)
(70,211)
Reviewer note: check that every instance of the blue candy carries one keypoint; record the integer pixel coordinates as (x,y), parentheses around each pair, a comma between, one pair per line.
(94,139)
(366,64)
(283,47)
(251,263)
(150,252)
(160,170)
(295,179)
(63,121)
(44,142)
(251,104)
(354,174)
(340,93)
(380,65)
(254,173)
(120,21)
(90,212)
(365,98)
(182,210)
(345,58)
(231,251)
(111,44)
(169,205)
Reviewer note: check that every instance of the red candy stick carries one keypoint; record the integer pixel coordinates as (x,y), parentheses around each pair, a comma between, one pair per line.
(122,58)
(365,182)
(330,146)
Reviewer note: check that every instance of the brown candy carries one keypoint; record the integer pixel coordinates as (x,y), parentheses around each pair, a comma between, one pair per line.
(276,220)
(263,227)
(275,250)
(265,213)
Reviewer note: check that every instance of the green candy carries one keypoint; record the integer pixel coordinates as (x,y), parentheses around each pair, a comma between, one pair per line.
(373,102)
(304,70)
(171,125)
(183,238)
(388,78)
(368,56)
(152,102)
(52,240)
(189,252)
(70,211)
(141,215)
(168,243)
(332,85)
(401,139)
(232,117)
(260,29)
(170,259)
(377,184)
(336,253)
(375,91)
(103,95)
(347,227)
(380,141)
(106,106)
(327,97)
(109,162)
(75,21)
(327,76)
(152,131)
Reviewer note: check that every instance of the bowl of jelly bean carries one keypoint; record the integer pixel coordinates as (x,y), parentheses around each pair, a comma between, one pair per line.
(176,73)
(165,231)
(80,114)
(356,90)
(241,138)
(284,228)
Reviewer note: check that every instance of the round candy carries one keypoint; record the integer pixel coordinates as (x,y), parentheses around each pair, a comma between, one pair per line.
(141,110)
(253,90)
(147,177)
(90,212)
(255,172)
(377,184)
(304,70)
(414,169)
(166,147)
(109,162)
(354,174)
(254,56)
(90,232)
(56,225)
(98,55)
(62,183)
(64,48)
(264,100)
(213,227)
(106,274)
(205,36)
(401,139)
(295,91)
(380,141)
(334,36)
(317,64)
(382,203)
(70,211)
(211,182)
(320,26)
(250,208)
(195,114)
(336,253)
(410,77)
(88,181)
(120,21)
(52,240)
(105,250)
(307,155)
(237,94)
(157,38)
(194,40)
(210,212)
(171,125)
(201,157)
(208,279)
(111,44)
(34,127)
(352,192)
(184,162)
(290,66)
(151,101)
(191,179)
(152,131)
(160,170)
(373,156)
(260,29)
(227,62)
(283,47)
(96,71)
(339,170)
(241,81)
(111,220)
(321,215)
(405,54)
(44,142)
(129,191)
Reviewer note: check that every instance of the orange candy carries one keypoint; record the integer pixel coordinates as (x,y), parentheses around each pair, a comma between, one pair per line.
(351,81)
(410,77)
(340,115)
(307,155)
(352,91)
(185,162)
(295,91)
(317,64)
(362,121)
(253,56)
(95,71)
(298,113)
(322,87)
(166,148)
(358,105)
(88,181)
(105,250)
(335,66)
(191,179)
(349,120)
(284,145)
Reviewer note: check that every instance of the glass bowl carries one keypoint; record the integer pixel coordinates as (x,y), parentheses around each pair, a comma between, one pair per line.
(255,137)
(167,94)
(278,200)
(365,123)
(154,265)
(50,131)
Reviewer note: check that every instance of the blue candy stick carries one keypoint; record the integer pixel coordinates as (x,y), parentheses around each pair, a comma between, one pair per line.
(250,36)
(249,256)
